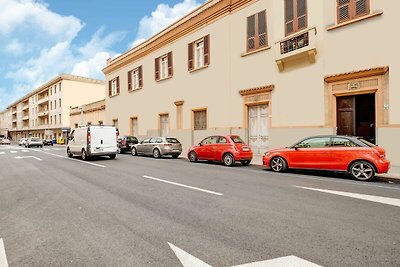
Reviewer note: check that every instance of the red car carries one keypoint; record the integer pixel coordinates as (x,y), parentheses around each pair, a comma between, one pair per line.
(361,159)
(225,148)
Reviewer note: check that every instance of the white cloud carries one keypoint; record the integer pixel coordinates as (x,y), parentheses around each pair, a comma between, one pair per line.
(91,67)
(15,47)
(163,16)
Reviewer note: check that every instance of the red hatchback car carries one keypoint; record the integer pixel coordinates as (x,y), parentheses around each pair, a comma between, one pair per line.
(225,148)
(361,159)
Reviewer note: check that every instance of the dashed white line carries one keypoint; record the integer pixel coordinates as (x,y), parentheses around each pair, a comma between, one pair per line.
(81,161)
(383,200)
(2,153)
(182,185)
(25,150)
(45,149)
(3,256)
(13,151)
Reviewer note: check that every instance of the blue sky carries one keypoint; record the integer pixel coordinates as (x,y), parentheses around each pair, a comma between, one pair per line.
(40,39)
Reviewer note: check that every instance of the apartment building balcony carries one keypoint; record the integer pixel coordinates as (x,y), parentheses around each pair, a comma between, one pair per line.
(14,112)
(43,113)
(42,100)
(25,118)
(25,107)
(298,46)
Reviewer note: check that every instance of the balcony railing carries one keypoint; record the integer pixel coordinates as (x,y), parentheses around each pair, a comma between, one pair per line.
(296,46)
(14,112)
(43,100)
(26,117)
(25,107)
(43,113)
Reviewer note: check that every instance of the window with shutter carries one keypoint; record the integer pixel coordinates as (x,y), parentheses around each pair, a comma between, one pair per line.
(157,68)
(200,119)
(351,9)
(117,85)
(135,79)
(295,16)
(257,31)
(199,53)
(190,56)
(206,50)
(113,87)
(170,65)
(140,76)
(109,89)
(130,80)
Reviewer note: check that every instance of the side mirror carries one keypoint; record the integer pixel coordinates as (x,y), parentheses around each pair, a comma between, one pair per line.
(296,147)
(200,144)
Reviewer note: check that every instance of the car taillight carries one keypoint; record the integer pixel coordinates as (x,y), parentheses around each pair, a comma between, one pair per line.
(116,137)
(167,144)
(89,139)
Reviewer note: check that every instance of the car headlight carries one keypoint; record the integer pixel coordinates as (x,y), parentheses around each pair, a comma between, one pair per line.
(266,154)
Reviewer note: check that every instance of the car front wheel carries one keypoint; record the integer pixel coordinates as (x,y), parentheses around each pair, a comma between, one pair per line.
(156,153)
(362,170)
(278,164)
(193,156)
(69,153)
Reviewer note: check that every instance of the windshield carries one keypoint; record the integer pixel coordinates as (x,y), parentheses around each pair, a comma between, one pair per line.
(237,140)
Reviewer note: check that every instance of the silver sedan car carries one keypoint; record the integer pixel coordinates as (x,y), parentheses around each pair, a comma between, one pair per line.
(158,147)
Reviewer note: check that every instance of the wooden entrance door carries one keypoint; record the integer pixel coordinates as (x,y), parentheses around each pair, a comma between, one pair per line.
(258,128)
(346,115)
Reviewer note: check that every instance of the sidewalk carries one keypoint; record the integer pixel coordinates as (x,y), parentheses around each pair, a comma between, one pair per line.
(394,171)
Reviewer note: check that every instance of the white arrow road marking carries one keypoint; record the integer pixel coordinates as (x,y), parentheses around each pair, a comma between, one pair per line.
(3,257)
(29,157)
(188,260)
(384,200)
(182,185)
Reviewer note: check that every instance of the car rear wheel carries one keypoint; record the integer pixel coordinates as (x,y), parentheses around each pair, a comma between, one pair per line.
(362,170)
(69,153)
(113,156)
(193,156)
(156,153)
(245,162)
(83,155)
(175,156)
(134,151)
(228,160)
(278,164)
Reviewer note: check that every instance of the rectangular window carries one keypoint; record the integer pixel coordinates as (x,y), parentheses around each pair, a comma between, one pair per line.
(163,67)
(164,125)
(100,122)
(113,87)
(115,123)
(76,125)
(134,126)
(55,119)
(59,102)
(295,16)
(59,118)
(351,9)
(199,53)
(257,31)
(200,119)
(135,79)
(59,87)
(51,105)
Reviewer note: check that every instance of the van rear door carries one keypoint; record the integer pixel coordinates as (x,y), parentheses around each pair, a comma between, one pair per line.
(103,139)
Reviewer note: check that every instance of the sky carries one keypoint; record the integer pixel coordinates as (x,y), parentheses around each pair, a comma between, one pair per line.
(40,39)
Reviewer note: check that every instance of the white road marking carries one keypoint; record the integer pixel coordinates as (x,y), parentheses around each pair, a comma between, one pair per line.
(25,150)
(3,256)
(13,151)
(2,153)
(45,149)
(29,157)
(182,185)
(188,260)
(383,200)
(81,161)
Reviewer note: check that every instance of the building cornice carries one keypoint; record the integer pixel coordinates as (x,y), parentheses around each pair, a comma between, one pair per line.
(257,90)
(356,74)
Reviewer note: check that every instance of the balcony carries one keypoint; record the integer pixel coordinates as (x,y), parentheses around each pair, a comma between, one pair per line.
(43,113)
(25,118)
(298,46)
(43,100)
(25,107)
(14,112)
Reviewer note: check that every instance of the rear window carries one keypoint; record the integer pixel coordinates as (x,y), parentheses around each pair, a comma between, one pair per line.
(237,140)
(131,139)
(366,142)
(172,140)
(35,139)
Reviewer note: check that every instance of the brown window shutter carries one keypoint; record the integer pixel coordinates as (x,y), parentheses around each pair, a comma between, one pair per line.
(289,17)
(118,85)
(157,68)
(301,7)
(109,89)
(130,80)
(251,32)
(206,50)
(190,56)
(361,7)
(262,29)
(343,10)
(170,65)
(140,70)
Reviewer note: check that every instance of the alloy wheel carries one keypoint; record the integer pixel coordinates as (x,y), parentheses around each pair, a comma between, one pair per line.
(362,170)
(278,164)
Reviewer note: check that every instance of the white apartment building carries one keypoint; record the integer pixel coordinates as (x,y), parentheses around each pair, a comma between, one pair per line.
(271,71)
(45,111)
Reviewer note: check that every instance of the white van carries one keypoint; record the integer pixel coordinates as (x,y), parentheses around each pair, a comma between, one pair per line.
(93,141)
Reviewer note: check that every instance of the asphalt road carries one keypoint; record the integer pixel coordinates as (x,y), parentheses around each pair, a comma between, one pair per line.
(124,212)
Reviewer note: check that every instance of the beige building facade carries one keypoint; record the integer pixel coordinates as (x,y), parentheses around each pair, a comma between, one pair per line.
(88,114)
(45,112)
(271,71)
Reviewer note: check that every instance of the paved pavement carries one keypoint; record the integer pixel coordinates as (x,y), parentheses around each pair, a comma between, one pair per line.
(140,211)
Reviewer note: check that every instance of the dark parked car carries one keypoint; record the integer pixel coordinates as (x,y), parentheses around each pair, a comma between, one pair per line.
(47,142)
(361,159)
(225,148)
(125,143)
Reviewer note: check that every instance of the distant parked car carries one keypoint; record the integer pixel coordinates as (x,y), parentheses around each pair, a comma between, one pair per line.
(225,148)
(158,147)
(47,142)
(126,142)
(4,141)
(361,159)
(34,141)
(22,141)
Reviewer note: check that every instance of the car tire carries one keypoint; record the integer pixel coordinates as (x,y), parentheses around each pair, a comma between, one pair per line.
(156,153)
(70,155)
(362,170)
(193,156)
(228,160)
(83,155)
(278,164)
(134,151)
(28,146)
(119,150)
(113,156)
(175,156)
(245,162)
